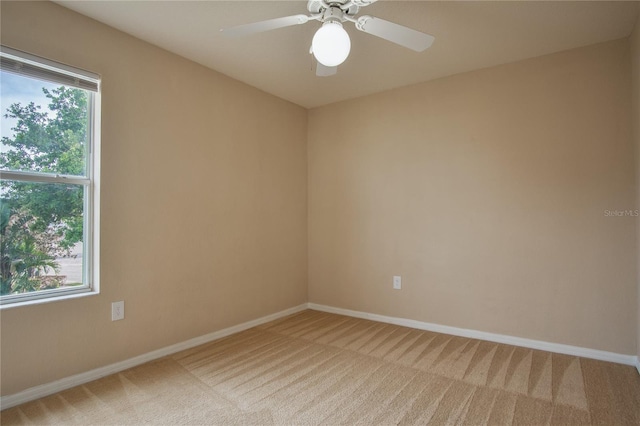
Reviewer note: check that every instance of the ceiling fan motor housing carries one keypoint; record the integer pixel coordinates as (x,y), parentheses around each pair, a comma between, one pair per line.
(333,14)
(348,7)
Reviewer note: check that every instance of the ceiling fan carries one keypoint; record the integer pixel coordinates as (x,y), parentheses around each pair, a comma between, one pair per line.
(331,44)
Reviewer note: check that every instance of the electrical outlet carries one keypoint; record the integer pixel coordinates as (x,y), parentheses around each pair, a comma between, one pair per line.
(397,282)
(117,311)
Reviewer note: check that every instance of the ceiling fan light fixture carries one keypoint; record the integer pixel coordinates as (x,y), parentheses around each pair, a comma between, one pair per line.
(331,44)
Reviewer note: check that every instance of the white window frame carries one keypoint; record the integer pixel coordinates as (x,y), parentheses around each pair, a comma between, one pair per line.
(44,69)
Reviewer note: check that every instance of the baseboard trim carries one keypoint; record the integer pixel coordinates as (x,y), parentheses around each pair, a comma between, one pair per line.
(82,378)
(638,364)
(491,337)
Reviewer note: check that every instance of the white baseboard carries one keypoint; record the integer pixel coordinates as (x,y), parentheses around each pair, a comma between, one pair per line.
(638,364)
(491,337)
(79,379)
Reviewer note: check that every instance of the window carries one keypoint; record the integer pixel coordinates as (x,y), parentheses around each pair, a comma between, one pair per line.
(49,162)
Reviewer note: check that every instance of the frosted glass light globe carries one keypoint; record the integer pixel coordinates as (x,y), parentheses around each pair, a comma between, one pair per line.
(331,44)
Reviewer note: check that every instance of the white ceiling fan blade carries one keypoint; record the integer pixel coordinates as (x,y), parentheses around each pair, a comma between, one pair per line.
(270,24)
(363,3)
(325,71)
(395,33)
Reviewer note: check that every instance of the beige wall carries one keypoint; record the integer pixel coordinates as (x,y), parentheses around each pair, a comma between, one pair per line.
(203,203)
(635,117)
(486,192)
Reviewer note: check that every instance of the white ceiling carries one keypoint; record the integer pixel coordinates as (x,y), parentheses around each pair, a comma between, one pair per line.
(469,35)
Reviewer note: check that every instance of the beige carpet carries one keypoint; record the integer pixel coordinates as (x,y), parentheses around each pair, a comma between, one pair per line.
(319,368)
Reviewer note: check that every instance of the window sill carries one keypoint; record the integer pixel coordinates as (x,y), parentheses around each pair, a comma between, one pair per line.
(49,299)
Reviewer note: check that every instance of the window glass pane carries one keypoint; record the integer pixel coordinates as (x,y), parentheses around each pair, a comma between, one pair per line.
(44,126)
(41,231)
